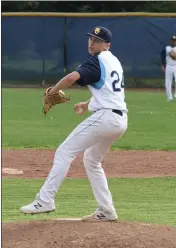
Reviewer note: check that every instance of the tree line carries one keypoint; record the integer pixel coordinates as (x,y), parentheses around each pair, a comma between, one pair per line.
(78,6)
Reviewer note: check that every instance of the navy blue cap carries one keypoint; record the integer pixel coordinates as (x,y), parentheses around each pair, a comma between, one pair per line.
(101,33)
(173,37)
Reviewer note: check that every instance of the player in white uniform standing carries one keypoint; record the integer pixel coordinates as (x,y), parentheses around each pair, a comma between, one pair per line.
(168,65)
(103,74)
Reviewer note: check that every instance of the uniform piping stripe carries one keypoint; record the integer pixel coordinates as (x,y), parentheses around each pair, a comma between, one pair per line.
(90,124)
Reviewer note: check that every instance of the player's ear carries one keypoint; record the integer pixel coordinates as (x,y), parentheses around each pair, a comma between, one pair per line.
(108,45)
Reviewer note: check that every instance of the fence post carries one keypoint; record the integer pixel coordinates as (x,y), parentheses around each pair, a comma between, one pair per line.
(65,45)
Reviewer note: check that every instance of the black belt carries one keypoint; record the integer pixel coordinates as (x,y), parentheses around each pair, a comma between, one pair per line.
(117,112)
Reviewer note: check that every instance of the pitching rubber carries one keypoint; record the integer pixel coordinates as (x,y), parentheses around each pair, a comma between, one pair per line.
(68,219)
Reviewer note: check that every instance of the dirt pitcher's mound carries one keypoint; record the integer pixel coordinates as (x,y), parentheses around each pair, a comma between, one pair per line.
(65,234)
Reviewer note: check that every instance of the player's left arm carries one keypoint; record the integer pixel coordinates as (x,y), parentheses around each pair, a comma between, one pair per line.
(90,73)
(172,54)
(86,74)
(65,82)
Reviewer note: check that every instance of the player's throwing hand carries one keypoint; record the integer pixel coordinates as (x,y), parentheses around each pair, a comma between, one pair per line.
(81,107)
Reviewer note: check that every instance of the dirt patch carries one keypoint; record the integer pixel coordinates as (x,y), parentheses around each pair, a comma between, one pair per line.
(57,234)
(37,163)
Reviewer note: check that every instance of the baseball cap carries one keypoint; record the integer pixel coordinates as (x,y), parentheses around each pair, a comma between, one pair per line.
(101,33)
(173,37)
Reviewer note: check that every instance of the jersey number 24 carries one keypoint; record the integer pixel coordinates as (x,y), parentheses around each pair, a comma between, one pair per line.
(116,84)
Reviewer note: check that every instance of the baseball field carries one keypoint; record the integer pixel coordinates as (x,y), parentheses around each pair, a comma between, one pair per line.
(141,170)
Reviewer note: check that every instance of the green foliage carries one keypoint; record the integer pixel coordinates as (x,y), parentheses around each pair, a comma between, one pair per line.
(115,6)
(160,6)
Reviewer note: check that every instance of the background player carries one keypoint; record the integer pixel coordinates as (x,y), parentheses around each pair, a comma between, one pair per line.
(168,65)
(103,74)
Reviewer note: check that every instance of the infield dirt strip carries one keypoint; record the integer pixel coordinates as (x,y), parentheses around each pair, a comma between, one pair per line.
(36,163)
(76,234)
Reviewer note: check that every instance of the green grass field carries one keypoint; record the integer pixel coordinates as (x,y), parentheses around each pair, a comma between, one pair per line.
(151,127)
(151,120)
(147,200)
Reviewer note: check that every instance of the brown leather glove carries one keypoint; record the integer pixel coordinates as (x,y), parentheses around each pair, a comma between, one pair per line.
(173,54)
(51,100)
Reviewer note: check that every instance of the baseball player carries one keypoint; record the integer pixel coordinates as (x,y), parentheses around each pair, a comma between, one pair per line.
(103,74)
(168,65)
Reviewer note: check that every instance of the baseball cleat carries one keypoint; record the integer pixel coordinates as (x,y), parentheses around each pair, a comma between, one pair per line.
(37,207)
(101,215)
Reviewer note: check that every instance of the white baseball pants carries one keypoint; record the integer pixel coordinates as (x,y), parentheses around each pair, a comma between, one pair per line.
(94,136)
(169,74)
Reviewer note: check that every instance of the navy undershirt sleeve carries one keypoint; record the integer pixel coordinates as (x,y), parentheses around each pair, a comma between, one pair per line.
(163,56)
(90,71)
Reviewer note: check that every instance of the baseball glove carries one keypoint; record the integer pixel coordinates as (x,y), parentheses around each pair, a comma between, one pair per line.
(52,99)
(173,55)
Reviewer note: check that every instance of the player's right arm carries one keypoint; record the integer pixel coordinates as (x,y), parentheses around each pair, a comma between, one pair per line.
(81,107)
(163,59)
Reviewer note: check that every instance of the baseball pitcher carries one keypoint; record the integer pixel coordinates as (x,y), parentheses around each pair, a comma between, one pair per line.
(168,65)
(103,74)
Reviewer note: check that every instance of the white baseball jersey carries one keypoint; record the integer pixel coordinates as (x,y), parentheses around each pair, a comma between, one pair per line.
(104,76)
(169,60)
(170,71)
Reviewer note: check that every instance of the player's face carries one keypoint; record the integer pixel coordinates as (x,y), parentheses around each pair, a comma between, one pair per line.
(96,46)
(173,43)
